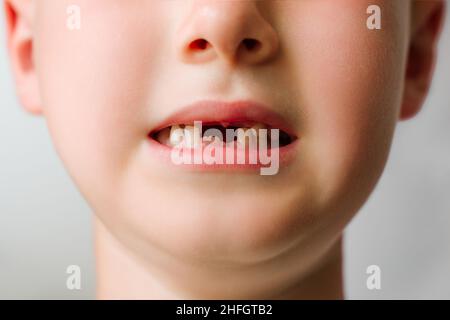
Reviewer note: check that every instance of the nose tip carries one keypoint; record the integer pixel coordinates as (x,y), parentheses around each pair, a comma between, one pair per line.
(233,31)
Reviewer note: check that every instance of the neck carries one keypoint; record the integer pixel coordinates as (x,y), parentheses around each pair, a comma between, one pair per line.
(121,275)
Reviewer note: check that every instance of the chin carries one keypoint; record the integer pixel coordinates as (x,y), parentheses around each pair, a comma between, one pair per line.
(230,230)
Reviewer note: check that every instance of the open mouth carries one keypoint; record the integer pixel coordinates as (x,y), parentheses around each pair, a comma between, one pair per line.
(241,133)
(216,135)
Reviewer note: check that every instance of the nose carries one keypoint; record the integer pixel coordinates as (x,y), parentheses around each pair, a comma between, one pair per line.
(231,31)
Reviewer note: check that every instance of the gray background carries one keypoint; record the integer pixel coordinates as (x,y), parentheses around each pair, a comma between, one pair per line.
(45,225)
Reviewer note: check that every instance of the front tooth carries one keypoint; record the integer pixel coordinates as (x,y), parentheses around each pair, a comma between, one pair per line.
(176,136)
(241,137)
(254,131)
(190,140)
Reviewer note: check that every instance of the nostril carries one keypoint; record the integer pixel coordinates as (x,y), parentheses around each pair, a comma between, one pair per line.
(199,44)
(251,44)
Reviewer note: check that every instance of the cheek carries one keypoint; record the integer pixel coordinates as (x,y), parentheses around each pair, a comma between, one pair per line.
(93,86)
(350,89)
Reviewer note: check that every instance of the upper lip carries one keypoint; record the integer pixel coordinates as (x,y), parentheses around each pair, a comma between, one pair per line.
(211,111)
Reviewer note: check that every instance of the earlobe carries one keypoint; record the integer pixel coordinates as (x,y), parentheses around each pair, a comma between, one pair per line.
(426,27)
(20,47)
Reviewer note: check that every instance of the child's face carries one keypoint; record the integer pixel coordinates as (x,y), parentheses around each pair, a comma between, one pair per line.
(103,88)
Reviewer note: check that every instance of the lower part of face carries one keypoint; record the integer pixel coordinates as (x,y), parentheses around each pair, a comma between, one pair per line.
(106,85)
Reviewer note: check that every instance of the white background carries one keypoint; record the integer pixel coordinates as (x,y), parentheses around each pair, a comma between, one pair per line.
(45,225)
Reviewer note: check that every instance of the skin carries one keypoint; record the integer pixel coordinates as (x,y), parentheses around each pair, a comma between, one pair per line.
(168,233)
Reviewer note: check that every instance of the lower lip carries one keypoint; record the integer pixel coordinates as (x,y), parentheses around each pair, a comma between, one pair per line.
(163,153)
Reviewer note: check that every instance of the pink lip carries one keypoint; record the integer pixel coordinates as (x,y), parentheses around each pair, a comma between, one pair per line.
(209,111)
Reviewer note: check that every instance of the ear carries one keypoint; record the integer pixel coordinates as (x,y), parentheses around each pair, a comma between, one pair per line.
(426,25)
(19,22)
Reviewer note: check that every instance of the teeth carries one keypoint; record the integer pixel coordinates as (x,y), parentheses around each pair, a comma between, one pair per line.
(212,139)
(242,137)
(230,144)
(176,136)
(189,137)
(258,126)
(186,135)
(256,130)
(245,136)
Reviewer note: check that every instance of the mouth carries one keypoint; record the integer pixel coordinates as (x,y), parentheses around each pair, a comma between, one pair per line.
(244,119)
(231,133)
(243,126)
